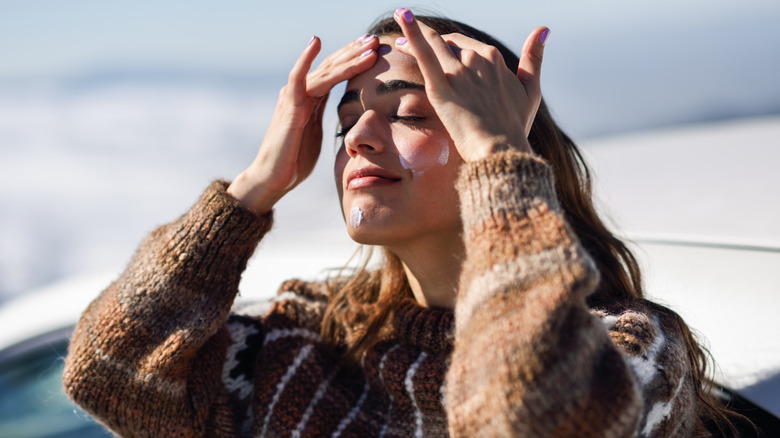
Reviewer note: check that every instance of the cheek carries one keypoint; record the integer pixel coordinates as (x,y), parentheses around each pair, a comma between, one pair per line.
(420,152)
(338,170)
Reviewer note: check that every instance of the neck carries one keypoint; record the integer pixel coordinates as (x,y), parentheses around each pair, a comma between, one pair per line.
(433,270)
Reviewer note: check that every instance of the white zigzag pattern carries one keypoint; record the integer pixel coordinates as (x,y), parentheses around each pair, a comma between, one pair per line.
(382,378)
(660,411)
(353,413)
(409,384)
(238,335)
(310,409)
(291,370)
(277,334)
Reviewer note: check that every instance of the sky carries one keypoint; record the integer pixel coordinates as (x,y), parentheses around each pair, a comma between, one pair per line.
(115,115)
(699,59)
(53,36)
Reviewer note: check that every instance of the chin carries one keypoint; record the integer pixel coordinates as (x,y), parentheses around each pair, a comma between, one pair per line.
(375,234)
(370,224)
(364,236)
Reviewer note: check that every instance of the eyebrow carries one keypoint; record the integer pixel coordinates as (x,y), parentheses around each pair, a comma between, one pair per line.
(381,89)
(397,85)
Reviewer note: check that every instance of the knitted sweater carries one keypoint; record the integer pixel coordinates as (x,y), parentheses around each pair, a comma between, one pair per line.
(159,353)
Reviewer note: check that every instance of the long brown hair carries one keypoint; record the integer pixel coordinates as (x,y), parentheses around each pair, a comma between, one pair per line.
(360,307)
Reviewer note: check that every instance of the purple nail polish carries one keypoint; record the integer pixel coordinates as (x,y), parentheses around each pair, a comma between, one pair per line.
(367,39)
(366,53)
(361,37)
(408,16)
(543,36)
(311,40)
(400,41)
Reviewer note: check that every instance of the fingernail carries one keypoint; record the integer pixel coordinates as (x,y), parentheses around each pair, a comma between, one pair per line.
(361,37)
(367,39)
(311,40)
(405,14)
(543,36)
(400,41)
(366,53)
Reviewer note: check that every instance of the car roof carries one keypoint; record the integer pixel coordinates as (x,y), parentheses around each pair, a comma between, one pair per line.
(709,183)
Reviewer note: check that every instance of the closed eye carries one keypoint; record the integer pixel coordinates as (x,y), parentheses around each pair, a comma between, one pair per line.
(411,122)
(342,131)
(395,117)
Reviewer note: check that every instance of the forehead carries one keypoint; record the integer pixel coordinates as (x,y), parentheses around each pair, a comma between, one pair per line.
(390,65)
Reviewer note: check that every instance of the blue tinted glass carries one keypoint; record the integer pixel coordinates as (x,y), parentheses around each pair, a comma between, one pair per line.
(32,401)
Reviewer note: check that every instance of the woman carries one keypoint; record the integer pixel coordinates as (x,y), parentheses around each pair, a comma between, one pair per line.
(504,308)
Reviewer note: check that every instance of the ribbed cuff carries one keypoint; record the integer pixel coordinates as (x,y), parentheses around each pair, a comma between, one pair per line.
(217,202)
(507,181)
(210,245)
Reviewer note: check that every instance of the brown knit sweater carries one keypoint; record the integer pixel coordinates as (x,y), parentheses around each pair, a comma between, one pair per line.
(159,353)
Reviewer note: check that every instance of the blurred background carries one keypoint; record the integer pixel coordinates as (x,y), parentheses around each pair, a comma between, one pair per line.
(115,115)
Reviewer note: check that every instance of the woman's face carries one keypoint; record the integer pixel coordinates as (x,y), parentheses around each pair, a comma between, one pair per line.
(396,169)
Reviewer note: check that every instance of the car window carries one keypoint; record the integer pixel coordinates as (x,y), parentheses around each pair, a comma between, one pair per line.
(32,401)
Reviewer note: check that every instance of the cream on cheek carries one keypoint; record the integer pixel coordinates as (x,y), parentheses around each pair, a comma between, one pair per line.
(418,156)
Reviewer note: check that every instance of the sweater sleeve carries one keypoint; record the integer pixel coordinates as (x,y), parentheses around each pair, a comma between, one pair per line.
(147,355)
(530,359)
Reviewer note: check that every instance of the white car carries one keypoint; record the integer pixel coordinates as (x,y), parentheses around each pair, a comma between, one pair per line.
(700,205)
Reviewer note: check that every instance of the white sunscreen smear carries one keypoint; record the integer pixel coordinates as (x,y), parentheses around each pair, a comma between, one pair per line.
(444,156)
(355,217)
(418,163)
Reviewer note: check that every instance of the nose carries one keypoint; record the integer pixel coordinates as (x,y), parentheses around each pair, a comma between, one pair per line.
(365,136)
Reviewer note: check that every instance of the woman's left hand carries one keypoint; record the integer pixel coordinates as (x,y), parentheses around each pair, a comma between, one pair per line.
(483,105)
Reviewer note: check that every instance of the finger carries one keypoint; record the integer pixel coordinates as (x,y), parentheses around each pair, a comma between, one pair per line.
(296,82)
(530,68)
(348,51)
(462,42)
(349,61)
(433,55)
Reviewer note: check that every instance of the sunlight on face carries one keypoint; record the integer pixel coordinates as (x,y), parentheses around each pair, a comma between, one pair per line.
(396,169)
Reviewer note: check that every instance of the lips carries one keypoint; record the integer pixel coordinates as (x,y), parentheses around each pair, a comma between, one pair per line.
(370,177)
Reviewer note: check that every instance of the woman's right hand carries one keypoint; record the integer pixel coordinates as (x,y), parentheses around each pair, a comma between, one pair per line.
(293,141)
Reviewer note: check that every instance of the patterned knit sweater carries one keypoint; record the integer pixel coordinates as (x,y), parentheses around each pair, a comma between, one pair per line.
(160,354)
